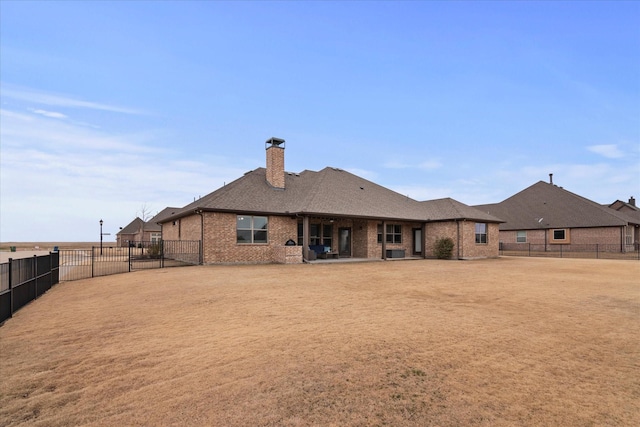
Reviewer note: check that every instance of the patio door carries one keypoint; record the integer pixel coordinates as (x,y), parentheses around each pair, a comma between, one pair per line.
(344,242)
(417,241)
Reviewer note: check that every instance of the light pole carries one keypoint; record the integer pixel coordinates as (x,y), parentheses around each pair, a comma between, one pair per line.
(101,236)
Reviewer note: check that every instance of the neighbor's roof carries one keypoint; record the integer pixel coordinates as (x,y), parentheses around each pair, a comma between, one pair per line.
(545,205)
(133,227)
(330,192)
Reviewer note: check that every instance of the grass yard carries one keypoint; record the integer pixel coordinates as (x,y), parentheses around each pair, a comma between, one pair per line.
(503,342)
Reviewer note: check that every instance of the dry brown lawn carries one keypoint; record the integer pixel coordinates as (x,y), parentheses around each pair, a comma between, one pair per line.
(504,342)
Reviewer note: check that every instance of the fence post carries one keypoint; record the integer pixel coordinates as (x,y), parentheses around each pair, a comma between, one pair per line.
(10,287)
(529,249)
(35,275)
(92,261)
(597,251)
(129,257)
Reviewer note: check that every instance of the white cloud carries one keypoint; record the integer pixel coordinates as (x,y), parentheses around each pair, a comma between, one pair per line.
(51,114)
(43,98)
(58,178)
(610,151)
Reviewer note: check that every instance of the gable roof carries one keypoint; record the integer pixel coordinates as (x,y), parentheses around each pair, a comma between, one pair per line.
(133,227)
(545,205)
(329,192)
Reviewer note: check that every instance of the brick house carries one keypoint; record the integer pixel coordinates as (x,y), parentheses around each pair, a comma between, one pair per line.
(138,231)
(545,214)
(273,216)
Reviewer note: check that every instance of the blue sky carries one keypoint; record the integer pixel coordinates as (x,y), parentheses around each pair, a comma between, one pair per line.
(109,107)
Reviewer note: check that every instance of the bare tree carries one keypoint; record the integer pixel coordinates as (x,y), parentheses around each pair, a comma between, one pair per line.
(145,213)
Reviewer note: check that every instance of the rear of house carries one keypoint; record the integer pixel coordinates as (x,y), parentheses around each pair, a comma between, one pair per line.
(273,216)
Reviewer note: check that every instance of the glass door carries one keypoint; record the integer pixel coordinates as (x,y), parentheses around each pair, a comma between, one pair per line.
(417,241)
(344,242)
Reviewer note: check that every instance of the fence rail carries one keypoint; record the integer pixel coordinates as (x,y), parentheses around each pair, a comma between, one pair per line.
(595,250)
(25,279)
(103,261)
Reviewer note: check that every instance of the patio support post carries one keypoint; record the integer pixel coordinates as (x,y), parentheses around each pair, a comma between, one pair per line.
(305,237)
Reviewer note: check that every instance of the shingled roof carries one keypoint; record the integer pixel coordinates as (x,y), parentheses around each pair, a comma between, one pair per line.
(545,205)
(330,192)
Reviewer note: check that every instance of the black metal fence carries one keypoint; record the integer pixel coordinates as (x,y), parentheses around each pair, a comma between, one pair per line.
(595,250)
(78,264)
(25,279)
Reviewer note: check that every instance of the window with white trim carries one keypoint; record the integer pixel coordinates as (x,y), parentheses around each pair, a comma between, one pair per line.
(521,237)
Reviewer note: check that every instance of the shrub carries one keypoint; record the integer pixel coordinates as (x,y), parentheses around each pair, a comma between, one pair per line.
(154,250)
(443,248)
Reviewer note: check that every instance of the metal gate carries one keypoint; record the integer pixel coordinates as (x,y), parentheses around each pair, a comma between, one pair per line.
(98,261)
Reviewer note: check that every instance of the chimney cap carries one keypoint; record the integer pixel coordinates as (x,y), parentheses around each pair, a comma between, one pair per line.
(274,141)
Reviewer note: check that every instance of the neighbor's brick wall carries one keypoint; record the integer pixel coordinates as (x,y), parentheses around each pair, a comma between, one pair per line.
(576,236)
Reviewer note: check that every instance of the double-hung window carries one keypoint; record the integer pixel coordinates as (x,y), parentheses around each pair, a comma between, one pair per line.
(481,232)
(252,229)
(521,236)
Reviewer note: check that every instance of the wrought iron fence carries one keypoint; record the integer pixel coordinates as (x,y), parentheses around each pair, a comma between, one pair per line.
(25,279)
(102,261)
(595,250)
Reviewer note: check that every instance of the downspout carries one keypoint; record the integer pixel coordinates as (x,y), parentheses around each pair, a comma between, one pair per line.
(199,212)
(458,238)
(384,240)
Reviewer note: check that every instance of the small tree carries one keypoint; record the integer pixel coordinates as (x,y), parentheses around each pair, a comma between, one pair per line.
(443,248)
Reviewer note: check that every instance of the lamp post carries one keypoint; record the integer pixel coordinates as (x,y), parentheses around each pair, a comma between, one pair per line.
(101,222)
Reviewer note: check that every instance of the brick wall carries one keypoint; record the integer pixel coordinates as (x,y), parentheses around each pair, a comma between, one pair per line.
(465,245)
(575,236)
(220,244)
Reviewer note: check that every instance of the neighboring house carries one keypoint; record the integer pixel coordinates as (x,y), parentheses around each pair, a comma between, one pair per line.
(545,214)
(140,231)
(270,215)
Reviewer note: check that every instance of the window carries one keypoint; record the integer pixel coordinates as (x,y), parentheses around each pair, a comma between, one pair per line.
(481,232)
(394,233)
(521,237)
(251,229)
(559,235)
(327,235)
(314,238)
(156,237)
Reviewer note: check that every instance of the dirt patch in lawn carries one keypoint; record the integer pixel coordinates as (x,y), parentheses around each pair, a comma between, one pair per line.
(511,341)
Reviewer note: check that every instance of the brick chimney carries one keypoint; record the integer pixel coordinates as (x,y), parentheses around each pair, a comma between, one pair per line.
(632,201)
(275,162)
